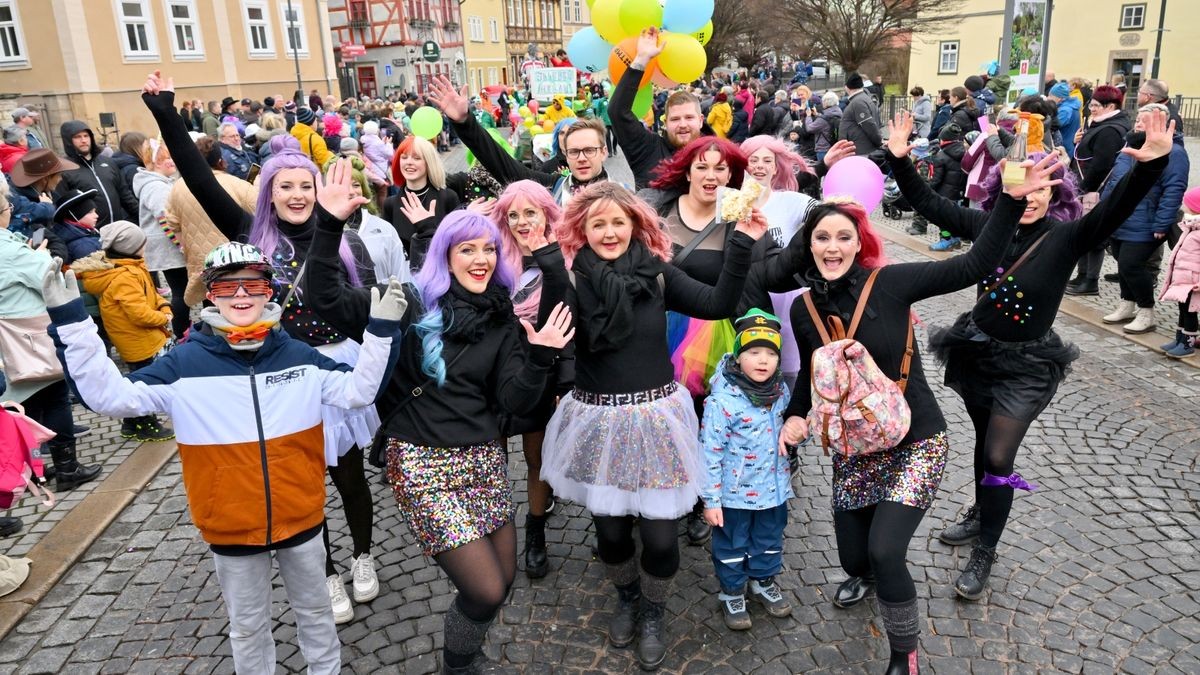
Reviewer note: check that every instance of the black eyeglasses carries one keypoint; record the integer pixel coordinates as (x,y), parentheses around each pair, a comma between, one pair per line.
(591,152)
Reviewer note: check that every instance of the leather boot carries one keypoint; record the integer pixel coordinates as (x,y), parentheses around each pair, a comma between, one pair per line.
(698,531)
(852,591)
(651,648)
(623,625)
(964,531)
(903,664)
(1085,287)
(69,473)
(973,581)
(536,563)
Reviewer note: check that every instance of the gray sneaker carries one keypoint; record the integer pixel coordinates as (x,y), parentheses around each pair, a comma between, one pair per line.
(767,592)
(964,531)
(734,609)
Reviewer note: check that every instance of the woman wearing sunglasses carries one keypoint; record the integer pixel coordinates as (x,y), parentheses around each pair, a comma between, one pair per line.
(282,226)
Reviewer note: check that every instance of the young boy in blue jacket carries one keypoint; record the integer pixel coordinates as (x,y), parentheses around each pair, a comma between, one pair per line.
(747,482)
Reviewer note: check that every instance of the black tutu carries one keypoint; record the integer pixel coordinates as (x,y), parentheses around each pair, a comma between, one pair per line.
(1014,379)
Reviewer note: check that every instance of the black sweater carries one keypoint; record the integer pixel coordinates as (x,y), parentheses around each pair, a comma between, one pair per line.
(644,363)
(416,236)
(500,371)
(885,321)
(298,318)
(1025,308)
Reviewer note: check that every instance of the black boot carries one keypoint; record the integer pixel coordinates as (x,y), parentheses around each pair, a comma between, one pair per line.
(903,664)
(698,531)
(852,591)
(964,531)
(973,581)
(651,648)
(1085,287)
(68,472)
(9,525)
(463,638)
(623,625)
(536,563)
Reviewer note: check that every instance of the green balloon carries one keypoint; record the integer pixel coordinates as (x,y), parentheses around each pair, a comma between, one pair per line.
(426,122)
(643,101)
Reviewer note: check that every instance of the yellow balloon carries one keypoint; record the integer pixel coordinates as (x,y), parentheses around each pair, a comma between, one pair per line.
(606,18)
(704,34)
(682,59)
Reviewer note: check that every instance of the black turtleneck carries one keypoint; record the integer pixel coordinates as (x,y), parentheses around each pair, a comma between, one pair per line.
(298,319)
(1024,308)
(884,325)
(416,236)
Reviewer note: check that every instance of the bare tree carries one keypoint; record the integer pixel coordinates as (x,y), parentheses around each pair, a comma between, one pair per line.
(741,30)
(850,32)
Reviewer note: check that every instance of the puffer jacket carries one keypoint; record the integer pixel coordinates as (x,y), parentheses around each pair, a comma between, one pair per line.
(136,318)
(1069,119)
(152,190)
(264,136)
(127,164)
(859,124)
(966,118)
(720,118)
(10,155)
(1182,281)
(311,143)
(1097,151)
(378,154)
(116,200)
(923,115)
(740,441)
(81,241)
(196,233)
(1155,214)
(949,179)
(256,477)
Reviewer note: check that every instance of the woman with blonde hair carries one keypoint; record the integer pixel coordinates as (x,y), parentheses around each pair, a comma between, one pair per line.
(423,200)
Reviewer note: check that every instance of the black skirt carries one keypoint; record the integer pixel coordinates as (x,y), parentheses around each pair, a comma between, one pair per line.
(1014,379)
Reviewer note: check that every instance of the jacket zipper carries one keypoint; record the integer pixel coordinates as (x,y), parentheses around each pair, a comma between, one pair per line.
(262,450)
(100,185)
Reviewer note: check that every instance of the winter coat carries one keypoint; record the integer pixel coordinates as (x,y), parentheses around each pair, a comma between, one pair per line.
(81,241)
(10,155)
(1097,150)
(1155,214)
(1069,120)
(136,318)
(311,143)
(822,127)
(196,233)
(210,125)
(747,98)
(264,136)
(766,120)
(966,118)
(238,160)
(979,159)
(983,99)
(128,165)
(152,190)
(115,200)
(29,212)
(949,179)
(720,118)
(859,126)
(939,120)
(999,86)
(740,441)
(253,477)
(740,129)
(1182,280)
(21,272)
(378,154)
(922,112)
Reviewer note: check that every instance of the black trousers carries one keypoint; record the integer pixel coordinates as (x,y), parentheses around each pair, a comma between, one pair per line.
(1136,269)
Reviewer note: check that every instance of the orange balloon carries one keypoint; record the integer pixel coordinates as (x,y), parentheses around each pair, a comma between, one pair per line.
(622,55)
(662,80)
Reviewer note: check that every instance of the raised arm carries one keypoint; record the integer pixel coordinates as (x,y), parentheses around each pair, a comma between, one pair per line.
(380,349)
(633,137)
(936,208)
(694,298)
(159,96)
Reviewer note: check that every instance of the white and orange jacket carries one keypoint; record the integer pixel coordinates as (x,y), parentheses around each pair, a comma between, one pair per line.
(248,428)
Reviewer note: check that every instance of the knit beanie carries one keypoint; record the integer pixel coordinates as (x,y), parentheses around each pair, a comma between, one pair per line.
(757,328)
(290,106)
(1060,90)
(348,145)
(1191,200)
(333,125)
(122,236)
(854,81)
(305,115)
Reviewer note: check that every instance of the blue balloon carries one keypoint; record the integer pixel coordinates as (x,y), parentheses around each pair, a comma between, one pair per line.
(588,51)
(686,16)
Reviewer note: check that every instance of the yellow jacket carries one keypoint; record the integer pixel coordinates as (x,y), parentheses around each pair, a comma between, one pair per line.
(136,318)
(720,118)
(311,143)
(557,116)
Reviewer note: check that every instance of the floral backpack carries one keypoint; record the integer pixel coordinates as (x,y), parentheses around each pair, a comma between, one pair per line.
(856,409)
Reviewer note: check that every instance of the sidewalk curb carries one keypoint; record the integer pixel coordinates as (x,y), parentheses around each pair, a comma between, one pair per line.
(1070,307)
(67,541)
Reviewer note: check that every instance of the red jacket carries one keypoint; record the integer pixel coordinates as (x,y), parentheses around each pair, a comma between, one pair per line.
(10,155)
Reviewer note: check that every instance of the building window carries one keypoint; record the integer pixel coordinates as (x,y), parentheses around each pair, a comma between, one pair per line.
(1133,17)
(293,28)
(510,13)
(184,25)
(529,13)
(12,40)
(358,11)
(520,14)
(492,78)
(494,26)
(137,29)
(948,61)
(258,28)
(475,26)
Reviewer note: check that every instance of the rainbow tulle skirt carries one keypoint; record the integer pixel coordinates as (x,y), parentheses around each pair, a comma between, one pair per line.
(696,347)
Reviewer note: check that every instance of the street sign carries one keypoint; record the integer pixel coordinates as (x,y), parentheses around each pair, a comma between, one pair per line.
(546,83)
(387,69)
(399,62)
(351,50)
(431,52)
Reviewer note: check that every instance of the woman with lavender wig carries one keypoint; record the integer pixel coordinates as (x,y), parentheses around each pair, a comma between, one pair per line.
(282,226)
(465,356)
(1003,356)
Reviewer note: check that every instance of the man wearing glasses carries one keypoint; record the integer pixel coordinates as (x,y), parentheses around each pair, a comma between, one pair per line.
(238,158)
(582,142)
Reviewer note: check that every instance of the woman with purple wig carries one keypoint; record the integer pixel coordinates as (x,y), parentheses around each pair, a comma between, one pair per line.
(465,357)
(1003,356)
(282,226)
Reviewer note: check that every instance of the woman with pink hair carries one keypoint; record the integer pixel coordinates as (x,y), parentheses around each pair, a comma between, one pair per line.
(526,212)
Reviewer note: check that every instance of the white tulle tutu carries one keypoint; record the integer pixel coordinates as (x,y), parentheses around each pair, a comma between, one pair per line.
(346,428)
(628,454)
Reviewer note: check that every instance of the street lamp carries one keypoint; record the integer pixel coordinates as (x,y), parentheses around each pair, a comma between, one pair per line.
(292,38)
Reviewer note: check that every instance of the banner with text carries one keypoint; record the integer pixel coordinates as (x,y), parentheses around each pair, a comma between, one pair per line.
(546,83)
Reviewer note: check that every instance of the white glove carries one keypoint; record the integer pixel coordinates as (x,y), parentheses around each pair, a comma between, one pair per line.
(58,289)
(391,305)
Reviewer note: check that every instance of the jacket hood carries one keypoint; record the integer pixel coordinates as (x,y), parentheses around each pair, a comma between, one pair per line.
(124,159)
(144,177)
(92,263)
(721,384)
(105,271)
(955,150)
(832,112)
(69,129)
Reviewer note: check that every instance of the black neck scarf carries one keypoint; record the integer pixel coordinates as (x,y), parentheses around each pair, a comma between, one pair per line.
(609,322)
(468,316)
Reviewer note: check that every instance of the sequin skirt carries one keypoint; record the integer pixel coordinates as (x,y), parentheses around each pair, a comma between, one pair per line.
(450,496)
(346,428)
(1014,379)
(909,475)
(625,454)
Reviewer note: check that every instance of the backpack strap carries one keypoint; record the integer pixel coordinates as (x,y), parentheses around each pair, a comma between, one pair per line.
(816,318)
(862,303)
(906,361)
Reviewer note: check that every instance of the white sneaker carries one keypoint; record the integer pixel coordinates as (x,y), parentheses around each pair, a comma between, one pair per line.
(342,611)
(366,583)
(1124,312)
(1142,323)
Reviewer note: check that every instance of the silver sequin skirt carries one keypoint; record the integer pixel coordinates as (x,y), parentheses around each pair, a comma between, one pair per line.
(909,475)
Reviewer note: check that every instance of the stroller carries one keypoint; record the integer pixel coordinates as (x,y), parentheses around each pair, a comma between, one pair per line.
(894,203)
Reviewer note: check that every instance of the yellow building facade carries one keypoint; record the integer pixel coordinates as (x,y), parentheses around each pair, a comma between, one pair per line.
(77,59)
(1092,39)
(484,43)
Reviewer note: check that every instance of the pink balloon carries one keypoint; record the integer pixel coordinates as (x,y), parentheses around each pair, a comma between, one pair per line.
(856,177)
(514,117)
(533,105)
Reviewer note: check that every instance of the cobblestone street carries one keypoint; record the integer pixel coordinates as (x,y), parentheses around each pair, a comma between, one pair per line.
(1099,570)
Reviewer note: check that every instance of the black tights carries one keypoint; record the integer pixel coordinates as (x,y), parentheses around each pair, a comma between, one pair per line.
(177,280)
(997,440)
(875,539)
(351,484)
(482,571)
(660,543)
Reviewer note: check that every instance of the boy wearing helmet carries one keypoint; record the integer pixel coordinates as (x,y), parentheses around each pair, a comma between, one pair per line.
(245,399)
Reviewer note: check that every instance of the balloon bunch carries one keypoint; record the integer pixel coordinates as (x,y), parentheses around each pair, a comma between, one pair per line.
(611,42)
(527,116)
